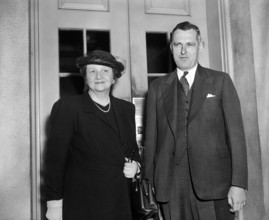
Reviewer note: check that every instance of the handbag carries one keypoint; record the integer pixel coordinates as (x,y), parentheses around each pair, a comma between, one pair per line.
(143,198)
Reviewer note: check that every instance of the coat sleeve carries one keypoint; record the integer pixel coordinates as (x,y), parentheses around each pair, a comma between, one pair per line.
(56,150)
(151,133)
(235,133)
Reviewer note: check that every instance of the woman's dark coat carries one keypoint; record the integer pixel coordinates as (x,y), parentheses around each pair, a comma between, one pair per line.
(85,159)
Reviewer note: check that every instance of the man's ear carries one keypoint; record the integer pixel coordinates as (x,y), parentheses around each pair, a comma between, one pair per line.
(201,45)
(171,48)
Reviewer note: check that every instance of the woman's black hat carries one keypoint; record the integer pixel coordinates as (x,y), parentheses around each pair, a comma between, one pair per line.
(102,58)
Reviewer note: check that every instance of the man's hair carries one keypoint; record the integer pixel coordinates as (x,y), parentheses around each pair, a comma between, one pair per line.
(185,26)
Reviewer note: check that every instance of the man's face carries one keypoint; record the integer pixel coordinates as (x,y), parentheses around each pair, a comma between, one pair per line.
(185,47)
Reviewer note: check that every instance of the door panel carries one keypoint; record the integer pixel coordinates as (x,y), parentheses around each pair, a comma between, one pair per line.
(52,19)
(159,17)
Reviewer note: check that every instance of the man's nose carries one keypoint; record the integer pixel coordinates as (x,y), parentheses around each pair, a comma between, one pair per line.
(183,49)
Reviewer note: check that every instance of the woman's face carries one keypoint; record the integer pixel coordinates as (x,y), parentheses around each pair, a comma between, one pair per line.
(99,78)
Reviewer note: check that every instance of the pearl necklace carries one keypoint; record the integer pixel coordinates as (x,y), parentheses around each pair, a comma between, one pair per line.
(105,111)
(96,104)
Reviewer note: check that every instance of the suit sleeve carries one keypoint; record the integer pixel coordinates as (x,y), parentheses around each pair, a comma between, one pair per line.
(151,133)
(56,151)
(235,133)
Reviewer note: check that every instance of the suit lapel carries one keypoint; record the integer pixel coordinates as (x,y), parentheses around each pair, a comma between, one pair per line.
(170,100)
(201,87)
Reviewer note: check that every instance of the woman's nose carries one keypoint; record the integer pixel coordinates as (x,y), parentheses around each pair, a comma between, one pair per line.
(98,74)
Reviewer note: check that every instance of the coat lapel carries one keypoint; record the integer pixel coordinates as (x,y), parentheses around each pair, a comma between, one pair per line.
(120,117)
(201,87)
(87,103)
(118,111)
(89,107)
(170,100)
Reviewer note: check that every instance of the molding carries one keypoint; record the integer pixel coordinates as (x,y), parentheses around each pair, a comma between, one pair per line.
(225,37)
(183,11)
(102,6)
(35,156)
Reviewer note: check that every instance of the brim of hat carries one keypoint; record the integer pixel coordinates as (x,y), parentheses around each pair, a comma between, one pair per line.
(83,61)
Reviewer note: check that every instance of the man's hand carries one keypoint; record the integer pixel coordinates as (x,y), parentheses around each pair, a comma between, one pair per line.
(236,198)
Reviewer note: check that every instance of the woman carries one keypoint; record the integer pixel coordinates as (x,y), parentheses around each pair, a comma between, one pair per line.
(92,136)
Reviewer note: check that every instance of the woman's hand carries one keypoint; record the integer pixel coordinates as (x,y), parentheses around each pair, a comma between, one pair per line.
(130,168)
(54,211)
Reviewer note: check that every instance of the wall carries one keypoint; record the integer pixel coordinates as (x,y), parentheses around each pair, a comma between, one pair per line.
(244,78)
(14,107)
(260,32)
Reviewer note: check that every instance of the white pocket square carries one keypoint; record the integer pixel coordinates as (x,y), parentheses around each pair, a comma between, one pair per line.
(210,95)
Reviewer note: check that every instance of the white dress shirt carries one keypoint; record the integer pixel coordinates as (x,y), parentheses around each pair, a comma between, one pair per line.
(190,76)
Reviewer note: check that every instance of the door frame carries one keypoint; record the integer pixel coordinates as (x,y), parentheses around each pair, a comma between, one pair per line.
(35,125)
(35,153)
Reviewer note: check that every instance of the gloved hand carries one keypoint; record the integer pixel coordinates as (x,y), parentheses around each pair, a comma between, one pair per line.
(131,168)
(54,209)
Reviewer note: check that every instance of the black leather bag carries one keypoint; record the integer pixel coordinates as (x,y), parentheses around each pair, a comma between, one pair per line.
(143,198)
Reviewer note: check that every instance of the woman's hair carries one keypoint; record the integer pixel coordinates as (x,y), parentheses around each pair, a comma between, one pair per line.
(116,75)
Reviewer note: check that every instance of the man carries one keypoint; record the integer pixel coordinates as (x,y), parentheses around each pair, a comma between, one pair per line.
(195,152)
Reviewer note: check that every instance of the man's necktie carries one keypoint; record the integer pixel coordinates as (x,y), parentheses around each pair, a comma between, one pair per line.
(184,83)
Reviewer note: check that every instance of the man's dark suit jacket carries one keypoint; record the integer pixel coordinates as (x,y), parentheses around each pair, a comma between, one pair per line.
(215,135)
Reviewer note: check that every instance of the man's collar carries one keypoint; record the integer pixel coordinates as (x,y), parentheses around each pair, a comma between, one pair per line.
(190,76)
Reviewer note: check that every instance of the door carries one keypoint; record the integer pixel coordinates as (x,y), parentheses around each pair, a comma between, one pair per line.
(136,30)
(151,22)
